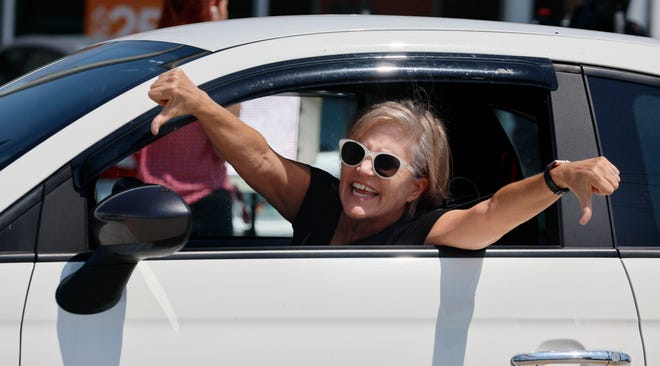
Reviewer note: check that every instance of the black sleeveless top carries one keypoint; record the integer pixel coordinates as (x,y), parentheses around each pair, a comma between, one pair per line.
(318,217)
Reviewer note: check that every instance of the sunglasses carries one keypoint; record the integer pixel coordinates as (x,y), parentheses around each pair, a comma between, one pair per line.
(385,165)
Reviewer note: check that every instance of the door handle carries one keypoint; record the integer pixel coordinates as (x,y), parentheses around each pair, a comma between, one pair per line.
(567,357)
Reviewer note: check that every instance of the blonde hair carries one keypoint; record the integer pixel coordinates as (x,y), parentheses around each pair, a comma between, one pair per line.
(430,150)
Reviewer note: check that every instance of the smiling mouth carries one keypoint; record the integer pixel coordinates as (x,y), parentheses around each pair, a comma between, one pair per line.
(363,191)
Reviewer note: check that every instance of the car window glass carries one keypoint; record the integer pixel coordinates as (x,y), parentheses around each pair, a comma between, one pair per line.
(626,115)
(523,134)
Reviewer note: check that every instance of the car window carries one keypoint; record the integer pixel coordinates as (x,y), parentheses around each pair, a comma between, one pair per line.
(627,120)
(306,128)
(498,127)
(494,141)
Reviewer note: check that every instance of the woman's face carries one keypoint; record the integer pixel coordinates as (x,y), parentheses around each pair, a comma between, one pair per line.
(365,195)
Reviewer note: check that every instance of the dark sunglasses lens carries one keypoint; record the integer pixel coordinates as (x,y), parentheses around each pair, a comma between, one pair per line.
(386,165)
(352,153)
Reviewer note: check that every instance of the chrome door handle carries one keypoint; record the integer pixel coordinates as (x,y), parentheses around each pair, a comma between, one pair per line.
(576,357)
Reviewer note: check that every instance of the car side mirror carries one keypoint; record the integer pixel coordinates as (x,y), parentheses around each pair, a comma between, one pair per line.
(143,222)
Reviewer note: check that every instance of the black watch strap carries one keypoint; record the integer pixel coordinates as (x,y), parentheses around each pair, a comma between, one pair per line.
(548,178)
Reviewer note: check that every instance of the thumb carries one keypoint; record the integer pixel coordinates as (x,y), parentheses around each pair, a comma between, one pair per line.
(586,210)
(160,120)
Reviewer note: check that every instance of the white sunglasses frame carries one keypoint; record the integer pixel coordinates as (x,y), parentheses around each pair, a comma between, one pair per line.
(372,154)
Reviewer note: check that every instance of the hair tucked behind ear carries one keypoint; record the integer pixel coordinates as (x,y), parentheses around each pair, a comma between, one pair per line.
(430,152)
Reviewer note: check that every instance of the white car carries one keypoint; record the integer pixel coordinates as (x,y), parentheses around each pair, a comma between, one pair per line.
(120,280)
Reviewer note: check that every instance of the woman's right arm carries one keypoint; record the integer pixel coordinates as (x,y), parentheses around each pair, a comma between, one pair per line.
(282,182)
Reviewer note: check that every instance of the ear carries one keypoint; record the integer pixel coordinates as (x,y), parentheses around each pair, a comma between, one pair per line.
(419,187)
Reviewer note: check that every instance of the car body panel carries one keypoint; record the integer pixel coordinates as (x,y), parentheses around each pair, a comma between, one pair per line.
(14,286)
(460,35)
(332,308)
(643,273)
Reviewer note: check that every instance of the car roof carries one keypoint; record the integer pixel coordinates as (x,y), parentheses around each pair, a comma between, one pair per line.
(423,34)
(212,36)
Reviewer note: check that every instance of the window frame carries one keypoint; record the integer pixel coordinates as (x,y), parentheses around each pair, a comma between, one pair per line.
(574,138)
(234,88)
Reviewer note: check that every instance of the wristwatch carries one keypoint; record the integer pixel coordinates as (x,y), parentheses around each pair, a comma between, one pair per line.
(548,179)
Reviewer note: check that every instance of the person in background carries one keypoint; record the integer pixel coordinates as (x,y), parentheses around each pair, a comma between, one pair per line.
(185,161)
(606,16)
(180,12)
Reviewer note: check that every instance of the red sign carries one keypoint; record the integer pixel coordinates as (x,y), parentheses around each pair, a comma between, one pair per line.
(114,18)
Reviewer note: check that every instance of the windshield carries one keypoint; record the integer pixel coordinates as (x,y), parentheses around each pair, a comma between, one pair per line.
(40,104)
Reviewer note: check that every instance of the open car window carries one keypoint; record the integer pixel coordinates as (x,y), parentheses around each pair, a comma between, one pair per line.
(303,127)
(493,142)
(498,126)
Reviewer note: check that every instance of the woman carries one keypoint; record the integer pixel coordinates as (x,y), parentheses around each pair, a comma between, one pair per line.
(185,161)
(384,177)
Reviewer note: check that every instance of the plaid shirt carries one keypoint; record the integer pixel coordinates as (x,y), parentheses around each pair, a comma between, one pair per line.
(185,162)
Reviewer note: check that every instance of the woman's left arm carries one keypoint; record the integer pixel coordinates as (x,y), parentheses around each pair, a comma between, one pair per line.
(515,203)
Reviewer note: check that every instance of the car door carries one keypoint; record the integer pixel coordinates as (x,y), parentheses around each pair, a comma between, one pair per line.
(625,106)
(251,299)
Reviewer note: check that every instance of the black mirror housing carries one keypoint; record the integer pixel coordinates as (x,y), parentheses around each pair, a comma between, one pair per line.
(143,222)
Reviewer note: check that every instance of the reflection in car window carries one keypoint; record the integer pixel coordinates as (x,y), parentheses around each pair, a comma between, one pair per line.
(67,93)
(627,119)
(523,134)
